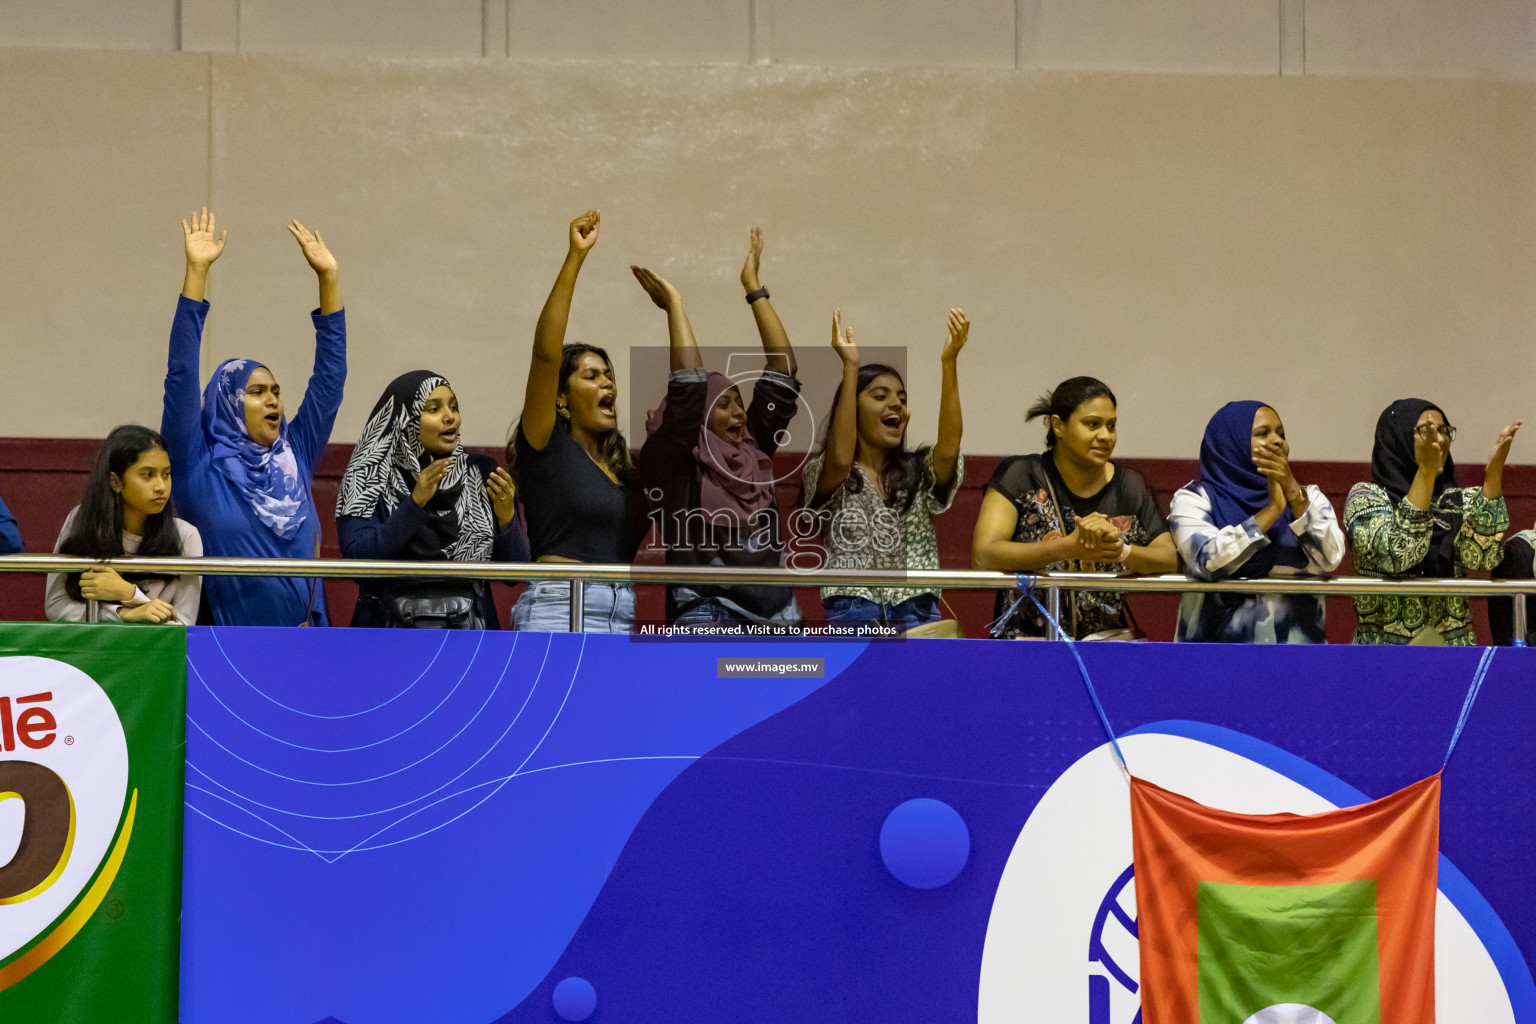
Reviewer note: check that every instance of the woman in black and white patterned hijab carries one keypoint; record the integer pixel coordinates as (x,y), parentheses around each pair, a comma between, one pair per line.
(411,491)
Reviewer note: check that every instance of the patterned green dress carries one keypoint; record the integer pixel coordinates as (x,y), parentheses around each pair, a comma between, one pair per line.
(1390,539)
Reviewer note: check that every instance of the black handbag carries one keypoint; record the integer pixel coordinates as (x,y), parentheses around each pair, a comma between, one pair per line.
(446,604)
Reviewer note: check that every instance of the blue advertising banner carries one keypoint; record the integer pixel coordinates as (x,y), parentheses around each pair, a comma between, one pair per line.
(391,826)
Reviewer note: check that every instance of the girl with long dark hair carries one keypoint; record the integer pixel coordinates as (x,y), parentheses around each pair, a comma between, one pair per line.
(1246,517)
(411,491)
(707,464)
(242,469)
(126,510)
(878,499)
(1411,519)
(1071,508)
(572,464)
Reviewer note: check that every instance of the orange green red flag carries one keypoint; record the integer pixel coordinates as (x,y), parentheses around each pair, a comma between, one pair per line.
(1280,918)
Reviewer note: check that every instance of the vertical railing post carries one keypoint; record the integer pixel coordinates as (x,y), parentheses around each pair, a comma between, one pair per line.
(578,604)
(1053,605)
(1519,630)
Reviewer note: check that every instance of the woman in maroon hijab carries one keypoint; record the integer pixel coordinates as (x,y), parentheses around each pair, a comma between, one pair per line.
(707,466)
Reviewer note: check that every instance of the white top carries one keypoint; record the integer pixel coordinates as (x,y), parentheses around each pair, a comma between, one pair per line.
(181,592)
(1216,554)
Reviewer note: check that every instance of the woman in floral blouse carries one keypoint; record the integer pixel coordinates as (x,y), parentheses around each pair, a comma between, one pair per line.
(876,500)
(1071,508)
(1412,520)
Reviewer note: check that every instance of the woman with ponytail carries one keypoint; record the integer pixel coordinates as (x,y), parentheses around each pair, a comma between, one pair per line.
(1071,508)
(126,511)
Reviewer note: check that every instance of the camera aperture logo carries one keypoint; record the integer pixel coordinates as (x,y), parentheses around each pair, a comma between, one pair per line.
(63,792)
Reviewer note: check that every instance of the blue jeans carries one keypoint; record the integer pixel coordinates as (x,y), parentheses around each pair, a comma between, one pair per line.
(723,610)
(915,611)
(545,607)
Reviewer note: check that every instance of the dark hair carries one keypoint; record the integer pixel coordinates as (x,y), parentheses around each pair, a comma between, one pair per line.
(1063,400)
(613,450)
(902,468)
(97,531)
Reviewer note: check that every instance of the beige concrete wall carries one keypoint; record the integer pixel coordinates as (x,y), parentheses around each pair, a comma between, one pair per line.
(1325,244)
(1494,39)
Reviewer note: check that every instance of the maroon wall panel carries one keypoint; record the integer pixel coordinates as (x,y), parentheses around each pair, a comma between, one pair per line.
(41,481)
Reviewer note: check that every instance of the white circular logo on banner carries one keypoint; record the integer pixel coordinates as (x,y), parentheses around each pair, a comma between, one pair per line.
(63,782)
(1289,1013)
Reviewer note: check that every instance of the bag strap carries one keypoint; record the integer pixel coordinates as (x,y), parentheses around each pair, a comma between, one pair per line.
(314,581)
(1061,524)
(309,612)
(1125,609)
(1082,670)
(1471,698)
(1061,520)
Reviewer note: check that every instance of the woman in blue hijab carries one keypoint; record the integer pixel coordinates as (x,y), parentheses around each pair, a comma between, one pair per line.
(242,470)
(1246,517)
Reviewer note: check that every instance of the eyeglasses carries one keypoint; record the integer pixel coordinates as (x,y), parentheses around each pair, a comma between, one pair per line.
(1429,430)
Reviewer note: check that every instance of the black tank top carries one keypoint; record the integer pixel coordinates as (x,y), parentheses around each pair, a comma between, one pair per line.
(573,509)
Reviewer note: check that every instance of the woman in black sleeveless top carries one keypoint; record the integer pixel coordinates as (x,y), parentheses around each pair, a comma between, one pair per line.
(572,464)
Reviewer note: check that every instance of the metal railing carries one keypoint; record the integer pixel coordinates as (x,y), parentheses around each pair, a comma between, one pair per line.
(578,574)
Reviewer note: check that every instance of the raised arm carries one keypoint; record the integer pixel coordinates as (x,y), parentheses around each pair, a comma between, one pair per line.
(946,451)
(311,428)
(202,250)
(1431,447)
(681,343)
(843,431)
(671,440)
(1284,491)
(322,263)
(776,348)
(549,335)
(1493,476)
(181,414)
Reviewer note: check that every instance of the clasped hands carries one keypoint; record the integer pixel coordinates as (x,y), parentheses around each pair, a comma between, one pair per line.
(1095,539)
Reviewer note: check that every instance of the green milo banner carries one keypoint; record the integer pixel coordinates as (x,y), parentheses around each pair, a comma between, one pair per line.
(92,724)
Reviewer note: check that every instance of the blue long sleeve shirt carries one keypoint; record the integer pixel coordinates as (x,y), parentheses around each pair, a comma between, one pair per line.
(10,535)
(209,501)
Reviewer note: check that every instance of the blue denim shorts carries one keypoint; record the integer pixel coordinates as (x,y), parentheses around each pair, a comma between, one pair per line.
(915,611)
(545,607)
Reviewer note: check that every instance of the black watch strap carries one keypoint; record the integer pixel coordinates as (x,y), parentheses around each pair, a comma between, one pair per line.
(761,293)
